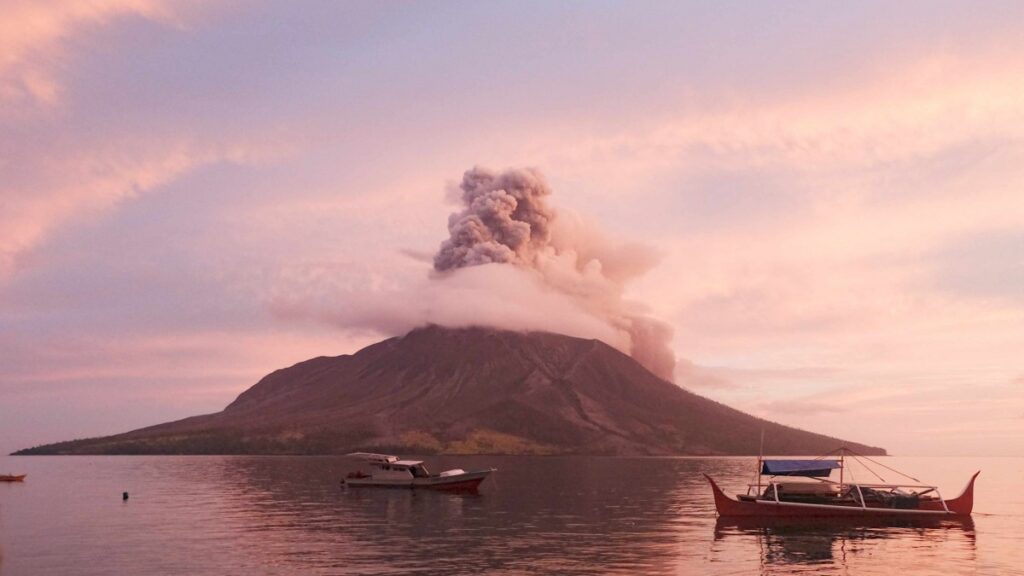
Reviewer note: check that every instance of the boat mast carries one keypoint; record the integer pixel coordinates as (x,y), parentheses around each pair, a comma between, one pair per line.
(760,456)
(842,465)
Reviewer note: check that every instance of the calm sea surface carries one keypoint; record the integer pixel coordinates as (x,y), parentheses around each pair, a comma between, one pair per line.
(289,515)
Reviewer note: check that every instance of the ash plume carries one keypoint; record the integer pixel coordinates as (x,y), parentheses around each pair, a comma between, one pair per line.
(505,220)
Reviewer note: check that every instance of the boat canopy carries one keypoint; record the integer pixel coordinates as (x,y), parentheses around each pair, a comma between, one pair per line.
(814,468)
(373,458)
(409,463)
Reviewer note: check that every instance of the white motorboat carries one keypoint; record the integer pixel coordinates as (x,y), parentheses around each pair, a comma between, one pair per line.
(392,472)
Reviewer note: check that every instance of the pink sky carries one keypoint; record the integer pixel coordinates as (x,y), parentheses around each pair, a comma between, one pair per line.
(836,194)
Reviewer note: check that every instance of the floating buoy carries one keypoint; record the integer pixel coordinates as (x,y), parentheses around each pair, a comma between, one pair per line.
(124,497)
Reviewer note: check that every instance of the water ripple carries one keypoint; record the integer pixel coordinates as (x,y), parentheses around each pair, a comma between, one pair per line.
(280,515)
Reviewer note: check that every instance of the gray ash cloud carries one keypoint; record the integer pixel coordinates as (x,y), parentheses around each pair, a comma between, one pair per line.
(505,219)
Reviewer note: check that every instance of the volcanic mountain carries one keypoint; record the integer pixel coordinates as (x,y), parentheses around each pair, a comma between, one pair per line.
(470,390)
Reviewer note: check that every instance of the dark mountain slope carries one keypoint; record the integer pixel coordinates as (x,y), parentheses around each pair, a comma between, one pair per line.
(467,390)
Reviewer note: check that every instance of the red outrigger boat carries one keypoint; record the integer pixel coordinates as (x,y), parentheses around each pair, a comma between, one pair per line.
(12,477)
(820,497)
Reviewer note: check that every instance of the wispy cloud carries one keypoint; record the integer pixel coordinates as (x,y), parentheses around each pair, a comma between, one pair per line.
(33,37)
(89,182)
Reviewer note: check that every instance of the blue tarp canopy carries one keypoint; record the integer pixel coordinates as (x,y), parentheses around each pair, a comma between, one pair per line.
(818,468)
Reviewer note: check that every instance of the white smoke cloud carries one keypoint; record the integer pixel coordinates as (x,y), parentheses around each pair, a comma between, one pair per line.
(492,295)
(511,262)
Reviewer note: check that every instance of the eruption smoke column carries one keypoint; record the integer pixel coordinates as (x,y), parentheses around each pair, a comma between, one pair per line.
(505,220)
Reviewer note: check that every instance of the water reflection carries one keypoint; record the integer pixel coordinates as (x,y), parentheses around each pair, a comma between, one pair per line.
(287,515)
(564,515)
(568,515)
(787,544)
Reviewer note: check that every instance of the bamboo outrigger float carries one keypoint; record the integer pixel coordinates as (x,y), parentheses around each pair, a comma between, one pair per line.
(822,497)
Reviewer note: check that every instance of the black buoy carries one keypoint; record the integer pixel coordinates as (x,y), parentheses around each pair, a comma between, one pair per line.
(124,496)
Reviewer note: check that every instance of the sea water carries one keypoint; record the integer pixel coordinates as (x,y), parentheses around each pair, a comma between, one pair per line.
(537,515)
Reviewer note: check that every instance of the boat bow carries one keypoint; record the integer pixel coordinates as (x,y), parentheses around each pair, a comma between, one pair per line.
(964,503)
(725,505)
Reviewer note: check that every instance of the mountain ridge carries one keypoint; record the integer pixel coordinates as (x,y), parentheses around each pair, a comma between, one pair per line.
(466,390)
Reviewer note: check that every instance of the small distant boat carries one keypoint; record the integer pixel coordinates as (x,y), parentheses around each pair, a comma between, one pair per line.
(392,472)
(12,477)
(817,496)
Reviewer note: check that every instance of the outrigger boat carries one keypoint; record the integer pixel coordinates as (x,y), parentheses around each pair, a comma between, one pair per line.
(778,496)
(12,477)
(392,472)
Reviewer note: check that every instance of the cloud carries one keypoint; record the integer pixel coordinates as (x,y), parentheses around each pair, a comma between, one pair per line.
(64,161)
(81,183)
(32,37)
(485,295)
(917,108)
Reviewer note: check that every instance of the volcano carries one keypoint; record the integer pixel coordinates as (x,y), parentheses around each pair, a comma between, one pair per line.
(467,390)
